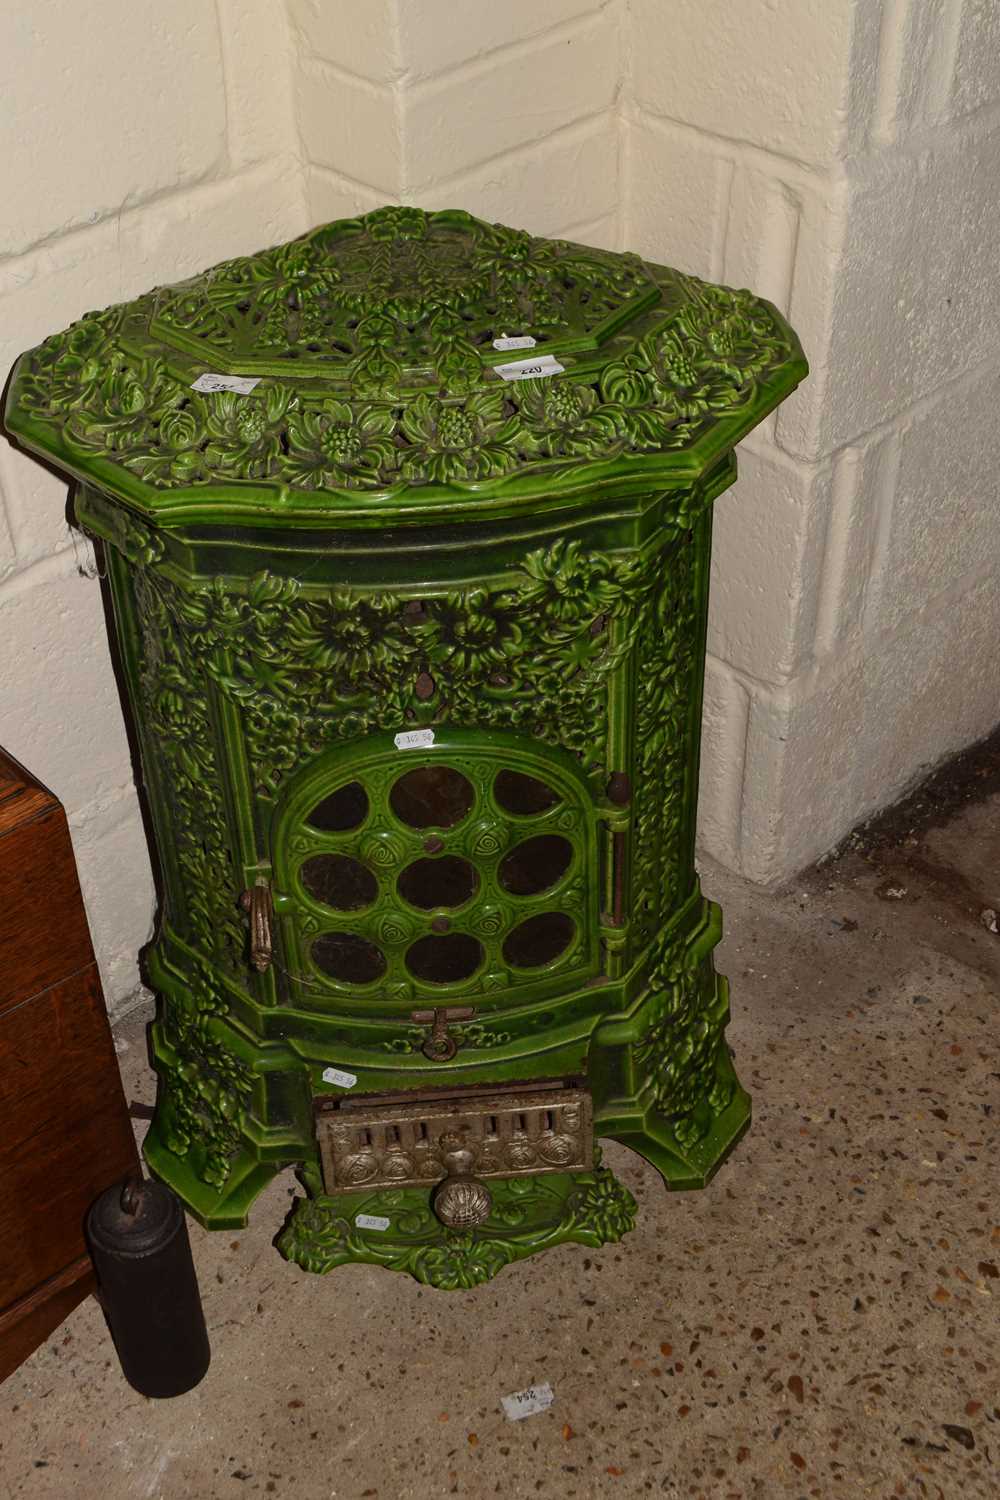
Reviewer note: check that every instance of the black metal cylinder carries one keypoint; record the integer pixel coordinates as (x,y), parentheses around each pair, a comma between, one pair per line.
(148,1288)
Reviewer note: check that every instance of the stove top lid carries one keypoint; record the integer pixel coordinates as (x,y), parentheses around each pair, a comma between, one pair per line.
(401,366)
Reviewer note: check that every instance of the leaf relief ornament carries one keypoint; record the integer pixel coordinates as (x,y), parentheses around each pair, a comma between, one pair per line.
(373,343)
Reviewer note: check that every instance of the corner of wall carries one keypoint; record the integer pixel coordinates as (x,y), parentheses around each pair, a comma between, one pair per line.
(871,488)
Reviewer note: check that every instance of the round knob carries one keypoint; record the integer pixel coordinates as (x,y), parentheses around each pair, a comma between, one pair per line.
(462,1202)
(440,1048)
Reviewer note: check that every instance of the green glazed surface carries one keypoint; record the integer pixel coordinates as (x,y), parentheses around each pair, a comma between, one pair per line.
(383,536)
(373,341)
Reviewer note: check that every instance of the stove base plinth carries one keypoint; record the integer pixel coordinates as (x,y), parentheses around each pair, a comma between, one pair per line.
(689,1166)
(215,1206)
(528,1214)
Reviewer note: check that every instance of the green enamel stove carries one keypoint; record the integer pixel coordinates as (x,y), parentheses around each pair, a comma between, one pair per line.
(407,531)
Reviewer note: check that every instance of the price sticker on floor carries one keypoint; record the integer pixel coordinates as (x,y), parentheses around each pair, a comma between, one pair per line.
(527,1403)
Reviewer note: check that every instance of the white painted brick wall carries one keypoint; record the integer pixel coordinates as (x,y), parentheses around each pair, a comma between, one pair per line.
(509,111)
(567,181)
(940,521)
(767,559)
(678,190)
(510,100)
(772,74)
(840,156)
(917,296)
(116,101)
(975,78)
(350,125)
(436,35)
(138,143)
(361,39)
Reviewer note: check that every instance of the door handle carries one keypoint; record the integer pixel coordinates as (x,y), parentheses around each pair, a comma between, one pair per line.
(257,901)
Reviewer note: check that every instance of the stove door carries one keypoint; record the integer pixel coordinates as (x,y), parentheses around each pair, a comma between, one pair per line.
(424,875)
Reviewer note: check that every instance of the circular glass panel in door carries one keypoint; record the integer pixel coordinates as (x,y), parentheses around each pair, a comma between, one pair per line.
(339,881)
(342,810)
(431,797)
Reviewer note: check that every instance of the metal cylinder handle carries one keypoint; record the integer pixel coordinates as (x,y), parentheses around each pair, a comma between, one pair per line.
(131,1194)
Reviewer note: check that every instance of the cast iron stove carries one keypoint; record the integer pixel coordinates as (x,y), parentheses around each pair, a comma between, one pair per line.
(407,532)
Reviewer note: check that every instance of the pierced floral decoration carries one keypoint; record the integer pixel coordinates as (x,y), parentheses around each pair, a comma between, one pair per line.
(269,276)
(475,631)
(400,308)
(471,439)
(565,418)
(68,368)
(339,445)
(125,403)
(359,639)
(393,223)
(573,582)
(245,435)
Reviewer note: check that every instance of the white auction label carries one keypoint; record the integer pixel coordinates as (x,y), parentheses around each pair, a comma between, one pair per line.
(528,1403)
(522,341)
(414,739)
(340,1078)
(371,1221)
(241,384)
(530,369)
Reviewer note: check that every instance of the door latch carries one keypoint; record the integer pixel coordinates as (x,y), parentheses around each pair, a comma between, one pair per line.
(439,1046)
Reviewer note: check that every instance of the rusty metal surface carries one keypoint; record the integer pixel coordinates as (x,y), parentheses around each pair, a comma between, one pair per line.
(257,901)
(439,1046)
(404,1141)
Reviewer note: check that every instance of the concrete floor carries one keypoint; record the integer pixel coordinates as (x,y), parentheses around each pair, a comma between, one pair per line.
(821,1321)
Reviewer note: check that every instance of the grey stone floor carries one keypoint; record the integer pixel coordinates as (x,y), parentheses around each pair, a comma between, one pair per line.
(821,1321)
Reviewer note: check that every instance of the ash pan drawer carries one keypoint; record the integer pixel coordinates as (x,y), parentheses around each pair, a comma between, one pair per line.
(403,1140)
